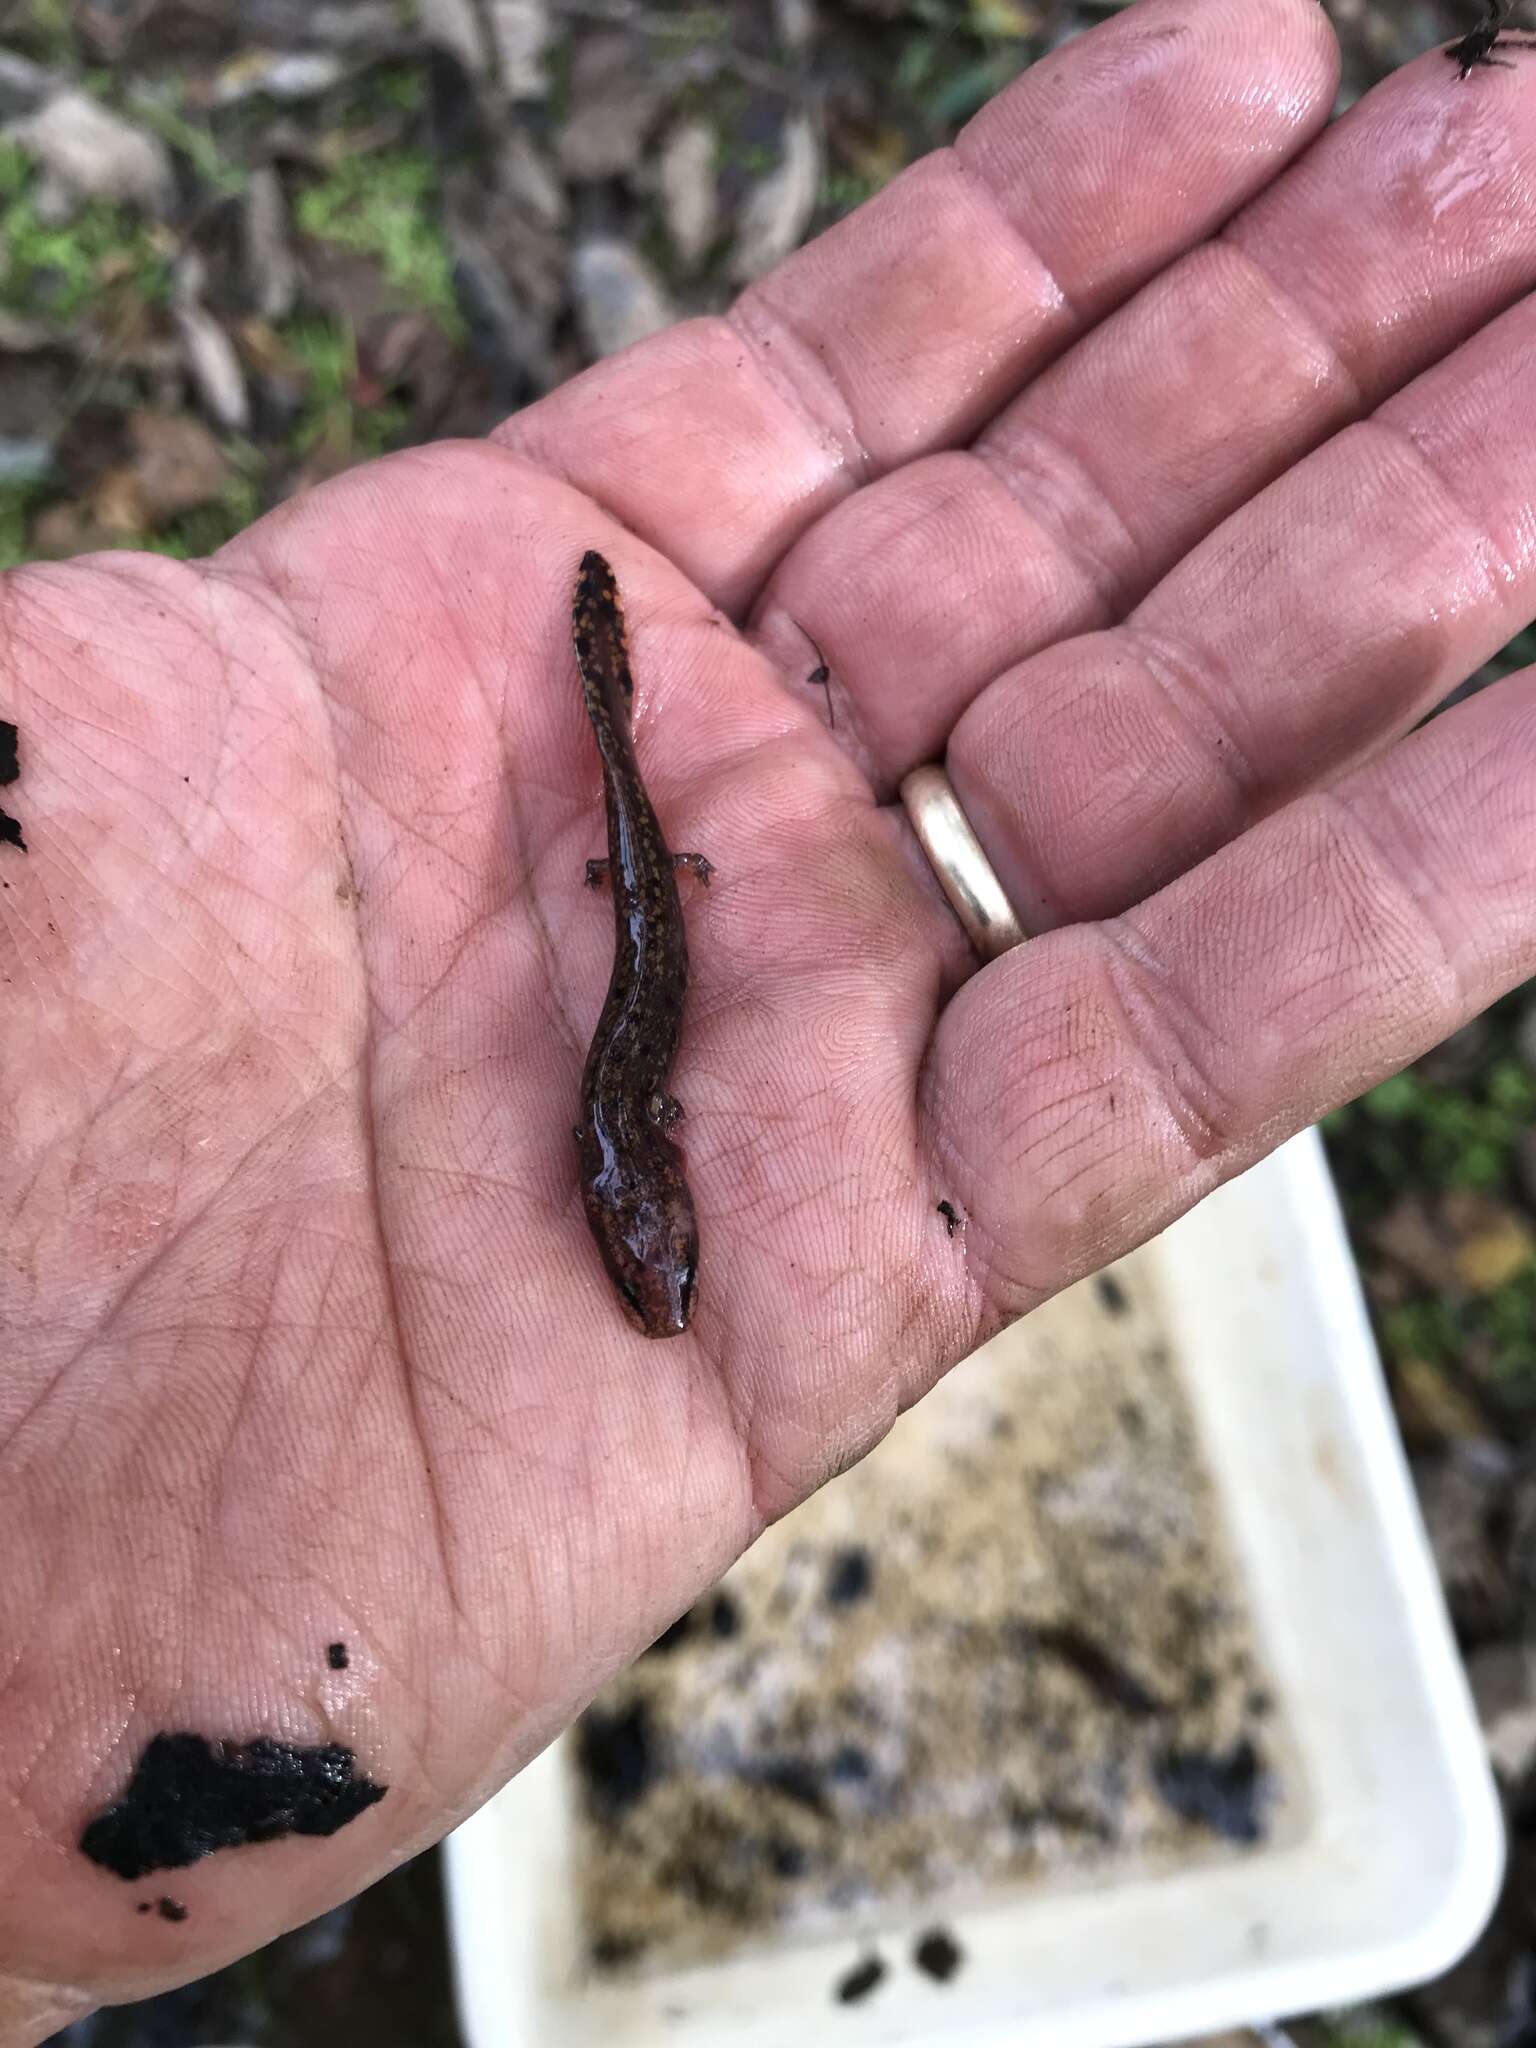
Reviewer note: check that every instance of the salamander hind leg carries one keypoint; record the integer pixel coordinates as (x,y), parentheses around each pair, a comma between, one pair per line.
(597,873)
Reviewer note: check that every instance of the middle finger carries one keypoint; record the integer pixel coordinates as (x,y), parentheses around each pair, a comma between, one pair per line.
(1402,230)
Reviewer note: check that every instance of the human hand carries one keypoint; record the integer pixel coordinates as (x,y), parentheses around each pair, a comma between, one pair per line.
(1164,531)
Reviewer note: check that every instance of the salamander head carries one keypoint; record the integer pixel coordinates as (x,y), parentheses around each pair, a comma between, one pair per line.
(649,1238)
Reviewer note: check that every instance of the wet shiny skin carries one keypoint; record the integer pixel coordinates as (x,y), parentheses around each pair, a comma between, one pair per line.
(632,1184)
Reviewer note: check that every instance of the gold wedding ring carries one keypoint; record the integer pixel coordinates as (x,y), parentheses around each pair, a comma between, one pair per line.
(965,874)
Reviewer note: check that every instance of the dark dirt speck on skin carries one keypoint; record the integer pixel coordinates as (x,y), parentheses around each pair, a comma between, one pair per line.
(860,1981)
(937,1954)
(190,1796)
(336,1656)
(170,1909)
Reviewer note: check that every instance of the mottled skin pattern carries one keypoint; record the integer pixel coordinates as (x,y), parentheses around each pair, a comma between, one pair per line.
(632,1184)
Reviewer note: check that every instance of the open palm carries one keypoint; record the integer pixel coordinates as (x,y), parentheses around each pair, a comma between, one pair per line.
(1160,465)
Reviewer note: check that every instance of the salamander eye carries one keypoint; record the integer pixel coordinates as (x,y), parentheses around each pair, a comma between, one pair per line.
(685,1292)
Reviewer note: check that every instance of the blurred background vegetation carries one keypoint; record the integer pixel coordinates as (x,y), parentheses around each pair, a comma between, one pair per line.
(247,243)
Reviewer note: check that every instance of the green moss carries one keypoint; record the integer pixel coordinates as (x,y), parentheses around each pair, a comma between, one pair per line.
(396,86)
(755,159)
(959,94)
(326,353)
(16,503)
(55,272)
(691,28)
(1369,2030)
(916,65)
(384,206)
(1511,1322)
(166,118)
(1417,1135)
(841,191)
(44,29)
(1412,1131)
(1423,1328)
(207,527)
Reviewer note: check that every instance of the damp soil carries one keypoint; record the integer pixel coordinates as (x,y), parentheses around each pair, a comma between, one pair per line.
(10,770)
(1009,1646)
(189,1796)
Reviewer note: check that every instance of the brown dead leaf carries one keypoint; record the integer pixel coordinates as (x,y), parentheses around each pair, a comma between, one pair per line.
(520,32)
(1431,1408)
(264,350)
(776,212)
(1460,1494)
(874,153)
(279,74)
(330,456)
(1409,1236)
(270,264)
(1013,19)
(1493,1242)
(177,463)
(1503,1681)
(689,190)
(1494,1256)
(96,153)
(117,504)
(619,298)
(614,99)
(69,529)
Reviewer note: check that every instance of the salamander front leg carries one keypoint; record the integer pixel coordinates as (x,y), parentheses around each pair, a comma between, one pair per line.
(695,863)
(664,1111)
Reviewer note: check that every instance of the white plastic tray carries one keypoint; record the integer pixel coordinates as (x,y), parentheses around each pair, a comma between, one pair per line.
(1391,1871)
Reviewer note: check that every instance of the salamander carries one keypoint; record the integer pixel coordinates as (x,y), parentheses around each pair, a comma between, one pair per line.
(633,1188)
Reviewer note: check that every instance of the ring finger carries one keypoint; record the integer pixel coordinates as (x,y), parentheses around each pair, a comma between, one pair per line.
(1308,631)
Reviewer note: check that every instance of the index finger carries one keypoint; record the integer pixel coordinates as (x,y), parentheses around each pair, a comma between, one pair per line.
(903,328)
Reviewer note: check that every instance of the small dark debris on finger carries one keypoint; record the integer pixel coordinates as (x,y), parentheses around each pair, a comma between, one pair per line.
(953,1220)
(167,1908)
(820,678)
(336,1656)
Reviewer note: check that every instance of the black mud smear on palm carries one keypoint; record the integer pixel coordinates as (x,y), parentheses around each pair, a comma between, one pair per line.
(10,828)
(190,1796)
